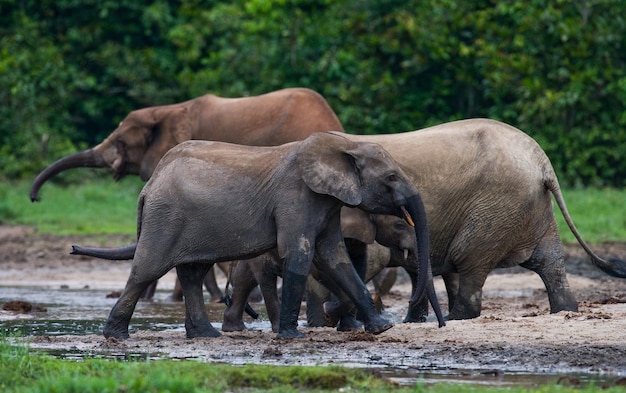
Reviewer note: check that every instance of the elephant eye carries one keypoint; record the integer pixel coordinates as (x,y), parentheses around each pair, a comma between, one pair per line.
(392,177)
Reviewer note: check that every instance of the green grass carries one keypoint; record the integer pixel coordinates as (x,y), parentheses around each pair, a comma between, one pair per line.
(95,207)
(104,207)
(599,215)
(24,372)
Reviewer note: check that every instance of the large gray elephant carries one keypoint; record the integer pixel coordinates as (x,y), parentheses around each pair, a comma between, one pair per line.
(145,135)
(208,202)
(488,189)
(396,247)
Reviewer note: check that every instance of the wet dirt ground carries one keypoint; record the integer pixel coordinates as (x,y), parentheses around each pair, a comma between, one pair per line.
(515,340)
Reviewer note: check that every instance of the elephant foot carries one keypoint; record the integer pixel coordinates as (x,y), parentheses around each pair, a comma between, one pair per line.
(233,327)
(459,313)
(349,324)
(203,332)
(331,313)
(414,319)
(378,325)
(290,334)
(111,331)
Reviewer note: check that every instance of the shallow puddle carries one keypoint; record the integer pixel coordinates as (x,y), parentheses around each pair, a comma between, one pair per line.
(84,311)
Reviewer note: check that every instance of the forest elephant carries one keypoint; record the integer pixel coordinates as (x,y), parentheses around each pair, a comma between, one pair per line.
(393,232)
(209,202)
(390,243)
(487,188)
(145,135)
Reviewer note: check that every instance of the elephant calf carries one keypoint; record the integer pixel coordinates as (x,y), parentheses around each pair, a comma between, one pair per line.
(209,202)
(391,232)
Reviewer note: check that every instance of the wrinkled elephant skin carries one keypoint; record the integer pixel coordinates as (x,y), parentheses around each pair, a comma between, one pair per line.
(229,202)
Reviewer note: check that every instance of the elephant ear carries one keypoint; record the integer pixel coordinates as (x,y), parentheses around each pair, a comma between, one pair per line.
(327,167)
(171,126)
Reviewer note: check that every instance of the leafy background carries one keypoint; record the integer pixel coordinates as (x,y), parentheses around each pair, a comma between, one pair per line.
(70,70)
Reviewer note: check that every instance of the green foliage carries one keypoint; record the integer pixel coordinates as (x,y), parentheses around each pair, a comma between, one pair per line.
(70,70)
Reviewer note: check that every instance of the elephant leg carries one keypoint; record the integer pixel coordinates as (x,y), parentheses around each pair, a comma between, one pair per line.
(139,279)
(383,281)
(177,293)
(296,269)
(197,322)
(148,293)
(341,311)
(266,273)
(210,283)
(316,295)
(451,280)
(243,282)
(417,312)
(547,261)
(468,303)
(336,264)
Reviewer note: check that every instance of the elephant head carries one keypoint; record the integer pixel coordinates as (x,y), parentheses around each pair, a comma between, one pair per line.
(367,177)
(135,147)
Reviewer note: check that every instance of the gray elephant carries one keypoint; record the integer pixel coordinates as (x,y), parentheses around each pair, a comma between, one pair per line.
(208,202)
(145,135)
(488,189)
(392,232)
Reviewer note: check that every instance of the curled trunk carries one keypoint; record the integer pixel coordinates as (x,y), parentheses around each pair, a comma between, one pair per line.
(86,159)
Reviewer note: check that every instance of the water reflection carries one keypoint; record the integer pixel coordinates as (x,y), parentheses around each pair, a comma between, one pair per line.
(84,311)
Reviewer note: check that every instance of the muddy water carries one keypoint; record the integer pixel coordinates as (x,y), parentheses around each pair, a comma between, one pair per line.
(82,312)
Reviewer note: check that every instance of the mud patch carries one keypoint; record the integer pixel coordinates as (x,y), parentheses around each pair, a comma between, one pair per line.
(515,336)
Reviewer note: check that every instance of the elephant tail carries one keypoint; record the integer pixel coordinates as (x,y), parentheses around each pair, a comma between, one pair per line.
(114,254)
(614,266)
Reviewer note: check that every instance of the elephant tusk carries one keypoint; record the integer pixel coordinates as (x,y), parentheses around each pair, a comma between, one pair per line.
(407,216)
(406,254)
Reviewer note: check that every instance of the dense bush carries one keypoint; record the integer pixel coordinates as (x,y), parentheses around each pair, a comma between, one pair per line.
(70,70)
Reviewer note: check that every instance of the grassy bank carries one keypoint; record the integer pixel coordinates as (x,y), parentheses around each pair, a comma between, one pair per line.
(102,206)
(24,372)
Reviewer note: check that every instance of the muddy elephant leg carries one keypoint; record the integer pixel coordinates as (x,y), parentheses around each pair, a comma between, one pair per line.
(243,282)
(417,312)
(267,275)
(177,293)
(451,280)
(210,283)
(340,311)
(383,281)
(139,279)
(468,303)
(316,295)
(148,293)
(197,322)
(336,264)
(547,261)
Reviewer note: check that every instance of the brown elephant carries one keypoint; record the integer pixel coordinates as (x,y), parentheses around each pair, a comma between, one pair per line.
(145,135)
(488,190)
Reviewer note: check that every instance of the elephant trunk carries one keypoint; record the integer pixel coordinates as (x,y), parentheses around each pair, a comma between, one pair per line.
(87,158)
(415,208)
